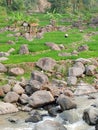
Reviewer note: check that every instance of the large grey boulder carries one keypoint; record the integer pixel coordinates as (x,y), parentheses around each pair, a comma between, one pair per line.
(6,88)
(11,97)
(90,115)
(32,86)
(90,70)
(36,85)
(46,63)
(65,102)
(24,49)
(16,71)
(80,65)
(3,69)
(39,76)
(83,60)
(58,83)
(49,125)
(75,71)
(72,80)
(40,98)
(2,54)
(18,89)
(70,116)
(84,88)
(35,117)
(53,46)
(23,99)
(6,108)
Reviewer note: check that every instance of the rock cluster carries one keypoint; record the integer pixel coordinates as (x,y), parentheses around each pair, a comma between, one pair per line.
(55,95)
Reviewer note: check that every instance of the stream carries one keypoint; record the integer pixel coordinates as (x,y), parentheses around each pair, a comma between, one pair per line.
(82,103)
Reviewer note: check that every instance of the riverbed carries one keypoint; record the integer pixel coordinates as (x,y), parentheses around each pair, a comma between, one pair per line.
(82,103)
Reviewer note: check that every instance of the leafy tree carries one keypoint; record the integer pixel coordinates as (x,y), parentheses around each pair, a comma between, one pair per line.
(59,5)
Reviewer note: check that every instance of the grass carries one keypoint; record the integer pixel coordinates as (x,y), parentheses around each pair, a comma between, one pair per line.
(38,49)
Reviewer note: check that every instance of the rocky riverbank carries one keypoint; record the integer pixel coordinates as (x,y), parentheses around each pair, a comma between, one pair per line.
(53,90)
(16,121)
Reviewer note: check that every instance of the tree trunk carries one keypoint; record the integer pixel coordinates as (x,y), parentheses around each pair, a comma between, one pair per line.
(9,2)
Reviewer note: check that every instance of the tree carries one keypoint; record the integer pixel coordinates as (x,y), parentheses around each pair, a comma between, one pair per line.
(9,2)
(59,5)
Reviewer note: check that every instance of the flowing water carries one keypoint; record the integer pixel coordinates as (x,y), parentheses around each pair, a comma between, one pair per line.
(82,101)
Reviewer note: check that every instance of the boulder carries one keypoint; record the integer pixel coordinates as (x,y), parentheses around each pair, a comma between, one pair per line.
(36,117)
(23,99)
(62,47)
(72,80)
(28,89)
(11,50)
(39,76)
(84,88)
(66,103)
(18,89)
(26,108)
(53,46)
(83,60)
(80,65)
(3,69)
(55,91)
(24,49)
(90,70)
(40,98)
(39,35)
(27,36)
(3,58)
(64,54)
(74,53)
(70,116)
(32,86)
(62,28)
(94,21)
(68,93)
(6,108)
(1,92)
(75,71)
(11,42)
(53,111)
(2,54)
(83,48)
(49,125)
(10,35)
(16,71)
(6,88)
(90,115)
(18,34)
(46,64)
(77,24)
(11,97)
(59,83)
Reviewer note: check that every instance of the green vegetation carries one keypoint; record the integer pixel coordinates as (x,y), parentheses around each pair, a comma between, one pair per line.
(15,12)
(38,48)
